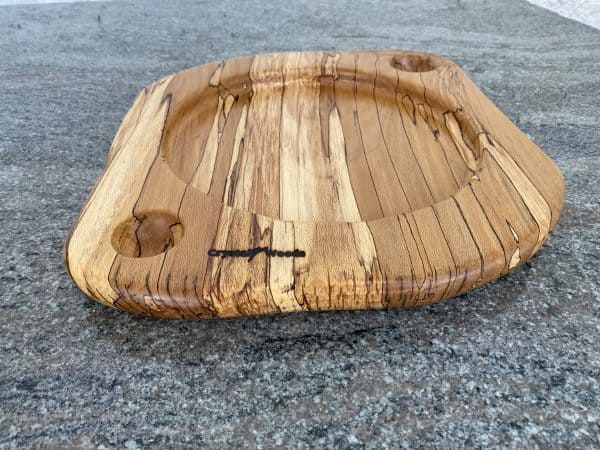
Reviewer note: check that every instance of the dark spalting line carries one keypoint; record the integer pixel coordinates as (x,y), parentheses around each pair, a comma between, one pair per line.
(412,114)
(206,279)
(220,176)
(337,192)
(257,238)
(521,212)
(357,120)
(328,290)
(437,128)
(256,200)
(410,144)
(413,281)
(463,287)
(359,129)
(453,78)
(133,304)
(138,244)
(95,291)
(87,284)
(511,182)
(214,289)
(431,111)
(387,148)
(445,152)
(185,189)
(451,280)
(207,303)
(186,300)
(326,103)
(246,294)
(432,267)
(305,301)
(362,144)
(342,81)
(283,86)
(429,274)
(353,291)
(124,301)
(385,291)
(402,295)
(464,279)
(222,142)
(235,168)
(158,296)
(458,117)
(487,218)
(524,169)
(424,88)
(222,122)
(230,126)
(412,150)
(295,275)
(235,173)
(206,307)
(149,289)
(118,290)
(196,308)
(213,90)
(349,227)
(267,275)
(371,282)
(267,268)
(456,149)
(174,306)
(425,270)
(352,181)
(462,215)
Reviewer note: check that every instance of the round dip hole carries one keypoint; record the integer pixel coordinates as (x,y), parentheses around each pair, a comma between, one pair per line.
(414,62)
(147,234)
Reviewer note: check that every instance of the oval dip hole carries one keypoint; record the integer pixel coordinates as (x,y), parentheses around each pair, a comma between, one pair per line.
(147,234)
(414,62)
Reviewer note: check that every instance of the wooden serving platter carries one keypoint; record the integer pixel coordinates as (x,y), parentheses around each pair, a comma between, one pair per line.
(309,182)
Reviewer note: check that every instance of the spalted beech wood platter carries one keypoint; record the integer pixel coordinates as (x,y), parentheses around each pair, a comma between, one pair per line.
(309,182)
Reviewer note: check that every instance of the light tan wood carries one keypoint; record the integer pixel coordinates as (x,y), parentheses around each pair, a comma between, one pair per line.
(309,182)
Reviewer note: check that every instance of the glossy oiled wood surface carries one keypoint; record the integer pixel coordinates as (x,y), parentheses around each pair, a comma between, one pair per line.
(311,181)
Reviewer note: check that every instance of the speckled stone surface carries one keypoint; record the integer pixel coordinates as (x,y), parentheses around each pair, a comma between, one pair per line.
(515,363)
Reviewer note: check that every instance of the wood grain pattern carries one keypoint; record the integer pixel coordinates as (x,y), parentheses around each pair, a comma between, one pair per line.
(308,182)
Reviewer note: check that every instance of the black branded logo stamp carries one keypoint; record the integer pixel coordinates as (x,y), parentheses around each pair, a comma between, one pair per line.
(252,252)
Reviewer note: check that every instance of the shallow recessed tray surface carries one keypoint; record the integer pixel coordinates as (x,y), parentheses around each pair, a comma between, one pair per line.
(311,181)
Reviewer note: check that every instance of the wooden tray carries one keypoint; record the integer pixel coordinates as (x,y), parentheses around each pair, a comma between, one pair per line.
(310,182)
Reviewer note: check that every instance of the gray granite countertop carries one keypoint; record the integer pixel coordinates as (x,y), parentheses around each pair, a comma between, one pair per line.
(515,363)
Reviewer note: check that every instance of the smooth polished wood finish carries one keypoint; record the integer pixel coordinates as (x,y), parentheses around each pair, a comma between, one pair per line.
(309,182)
